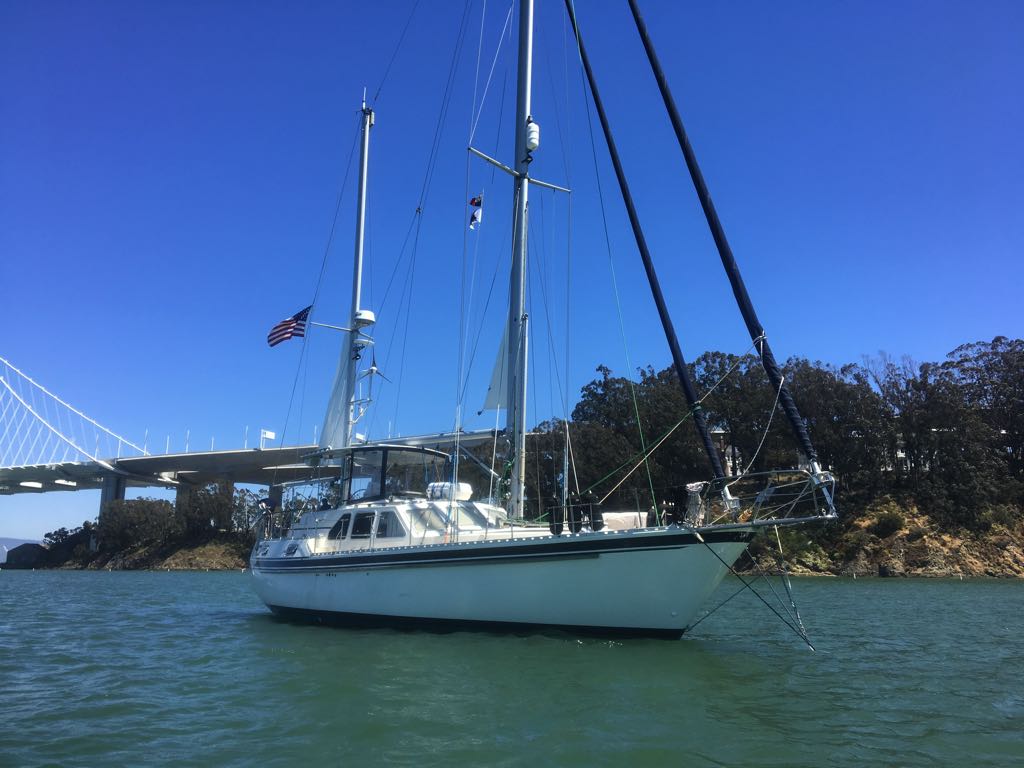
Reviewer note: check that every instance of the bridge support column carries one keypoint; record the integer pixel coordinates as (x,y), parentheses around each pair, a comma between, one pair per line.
(181,493)
(113,490)
(276,495)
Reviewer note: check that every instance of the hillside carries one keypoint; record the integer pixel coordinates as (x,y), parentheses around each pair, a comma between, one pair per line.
(889,540)
(215,551)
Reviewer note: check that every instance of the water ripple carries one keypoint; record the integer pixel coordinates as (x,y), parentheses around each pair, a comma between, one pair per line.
(189,669)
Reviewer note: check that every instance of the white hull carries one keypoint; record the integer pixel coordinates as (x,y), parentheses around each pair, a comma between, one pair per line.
(638,582)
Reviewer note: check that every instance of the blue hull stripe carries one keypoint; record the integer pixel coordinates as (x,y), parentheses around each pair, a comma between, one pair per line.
(442,554)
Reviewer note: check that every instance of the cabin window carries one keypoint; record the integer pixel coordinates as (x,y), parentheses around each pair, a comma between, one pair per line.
(362,526)
(389,526)
(340,528)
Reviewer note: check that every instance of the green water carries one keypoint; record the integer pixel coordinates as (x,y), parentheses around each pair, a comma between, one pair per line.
(189,669)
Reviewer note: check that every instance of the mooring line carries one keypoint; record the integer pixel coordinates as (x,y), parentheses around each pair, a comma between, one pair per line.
(749,585)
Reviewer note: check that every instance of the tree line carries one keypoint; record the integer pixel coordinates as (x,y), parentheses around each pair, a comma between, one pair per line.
(196,515)
(947,437)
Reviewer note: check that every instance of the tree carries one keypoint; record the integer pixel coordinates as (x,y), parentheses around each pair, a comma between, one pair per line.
(129,523)
(991,375)
(740,401)
(53,538)
(849,424)
(947,437)
(204,509)
(245,509)
(949,463)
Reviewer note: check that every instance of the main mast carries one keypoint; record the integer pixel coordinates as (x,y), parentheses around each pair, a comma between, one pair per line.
(515,418)
(341,415)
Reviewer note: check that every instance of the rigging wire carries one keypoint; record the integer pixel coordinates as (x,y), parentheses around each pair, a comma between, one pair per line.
(481,232)
(479,332)
(407,288)
(552,357)
(460,339)
(615,289)
(566,163)
(445,104)
(498,262)
(394,54)
(479,109)
(720,605)
(725,253)
(570,459)
(383,308)
(679,363)
(464,300)
(531,331)
(398,262)
(665,436)
(465,303)
(494,457)
(544,279)
(786,583)
(425,189)
(547,316)
(568,336)
(536,273)
(767,429)
(319,283)
(799,631)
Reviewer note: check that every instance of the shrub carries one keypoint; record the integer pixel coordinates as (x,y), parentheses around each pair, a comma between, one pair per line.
(853,544)
(887,523)
(917,532)
(1004,515)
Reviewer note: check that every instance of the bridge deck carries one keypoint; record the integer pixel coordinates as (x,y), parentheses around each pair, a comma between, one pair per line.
(255,466)
(268,466)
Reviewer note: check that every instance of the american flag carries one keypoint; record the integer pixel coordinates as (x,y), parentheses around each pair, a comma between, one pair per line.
(289,327)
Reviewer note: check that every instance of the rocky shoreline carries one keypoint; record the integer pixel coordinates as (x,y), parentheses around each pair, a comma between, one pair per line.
(227,552)
(857,548)
(917,548)
(218,552)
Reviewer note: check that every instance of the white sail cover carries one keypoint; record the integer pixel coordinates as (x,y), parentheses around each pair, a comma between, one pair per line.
(497,392)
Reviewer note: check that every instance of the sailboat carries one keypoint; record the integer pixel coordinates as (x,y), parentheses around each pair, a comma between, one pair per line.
(400,539)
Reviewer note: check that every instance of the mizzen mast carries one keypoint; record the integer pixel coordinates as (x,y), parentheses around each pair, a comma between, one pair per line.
(341,415)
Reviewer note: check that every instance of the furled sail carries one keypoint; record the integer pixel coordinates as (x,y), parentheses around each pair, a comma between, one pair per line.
(336,421)
(497,392)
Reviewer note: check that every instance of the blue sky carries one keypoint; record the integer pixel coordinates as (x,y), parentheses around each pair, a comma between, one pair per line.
(169,174)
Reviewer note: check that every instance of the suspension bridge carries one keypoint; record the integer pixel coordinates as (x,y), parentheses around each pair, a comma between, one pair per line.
(46,445)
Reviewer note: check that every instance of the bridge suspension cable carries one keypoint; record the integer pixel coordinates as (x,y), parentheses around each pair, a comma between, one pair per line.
(37,427)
